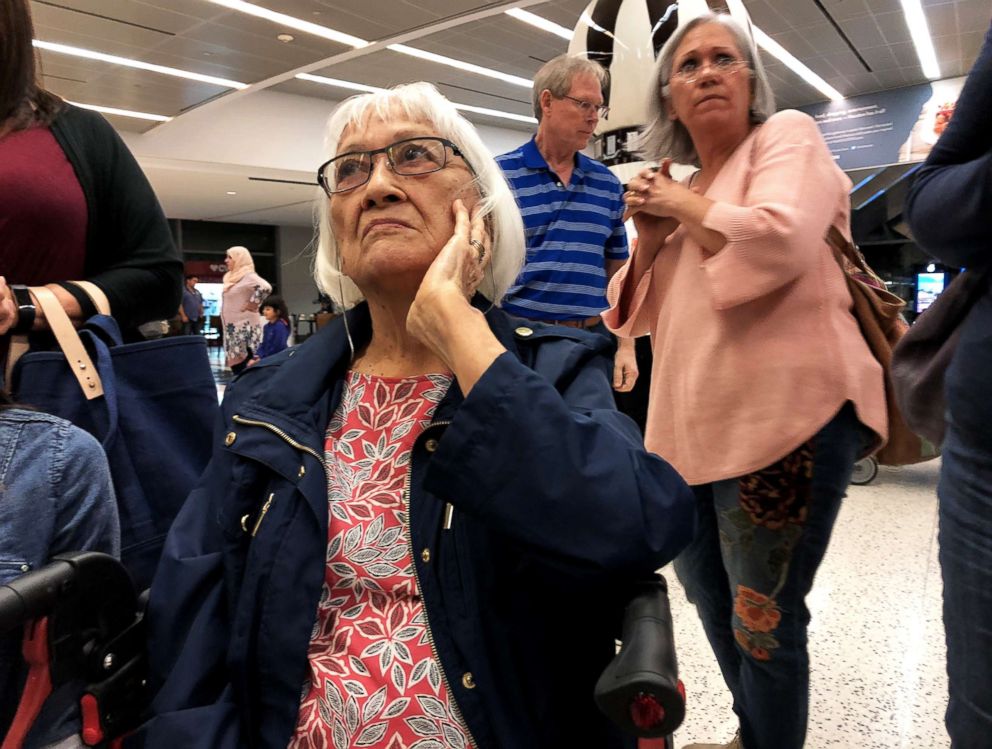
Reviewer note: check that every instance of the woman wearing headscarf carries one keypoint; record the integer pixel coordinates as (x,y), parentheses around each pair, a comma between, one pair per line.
(420,524)
(762,389)
(242,295)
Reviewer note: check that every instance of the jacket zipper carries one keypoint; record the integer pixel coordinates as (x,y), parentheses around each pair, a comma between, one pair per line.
(261,515)
(427,620)
(286,438)
(279,432)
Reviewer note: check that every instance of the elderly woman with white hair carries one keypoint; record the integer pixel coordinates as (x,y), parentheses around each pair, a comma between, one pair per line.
(418,526)
(763,390)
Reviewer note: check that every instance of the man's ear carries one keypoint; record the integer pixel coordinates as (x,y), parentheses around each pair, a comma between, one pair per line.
(545,100)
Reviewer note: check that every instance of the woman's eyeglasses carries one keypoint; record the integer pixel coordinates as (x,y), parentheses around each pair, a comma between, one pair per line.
(588,107)
(690,72)
(408,157)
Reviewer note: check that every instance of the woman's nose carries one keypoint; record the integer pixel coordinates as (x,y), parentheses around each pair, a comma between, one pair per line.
(382,185)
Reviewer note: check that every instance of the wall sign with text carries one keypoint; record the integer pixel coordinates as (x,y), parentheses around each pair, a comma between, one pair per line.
(887,127)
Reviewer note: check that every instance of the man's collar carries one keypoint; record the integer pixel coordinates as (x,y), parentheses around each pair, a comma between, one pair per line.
(534,159)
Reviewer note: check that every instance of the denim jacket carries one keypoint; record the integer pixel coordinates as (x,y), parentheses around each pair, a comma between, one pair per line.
(55,496)
(532,505)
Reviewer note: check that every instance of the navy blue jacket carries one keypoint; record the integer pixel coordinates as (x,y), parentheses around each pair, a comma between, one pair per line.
(949,207)
(557,507)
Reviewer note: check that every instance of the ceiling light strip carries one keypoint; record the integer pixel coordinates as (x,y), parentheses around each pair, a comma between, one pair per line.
(89,54)
(121,112)
(916,20)
(357,43)
(777,50)
(461,65)
(542,23)
(294,23)
(349,85)
(338,83)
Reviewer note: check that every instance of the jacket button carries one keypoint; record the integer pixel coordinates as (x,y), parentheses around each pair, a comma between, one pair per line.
(244,523)
(426,555)
(303,471)
(524,332)
(430,445)
(468,681)
(25,568)
(229,439)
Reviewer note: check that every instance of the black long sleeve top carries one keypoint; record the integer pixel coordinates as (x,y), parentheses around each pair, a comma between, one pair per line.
(950,211)
(129,249)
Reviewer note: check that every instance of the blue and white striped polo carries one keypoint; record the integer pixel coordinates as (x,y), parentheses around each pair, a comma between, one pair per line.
(571,232)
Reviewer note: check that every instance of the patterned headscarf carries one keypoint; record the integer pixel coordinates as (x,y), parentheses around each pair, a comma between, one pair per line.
(239,265)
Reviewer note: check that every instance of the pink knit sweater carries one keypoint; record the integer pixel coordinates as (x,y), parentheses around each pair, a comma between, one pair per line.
(755,347)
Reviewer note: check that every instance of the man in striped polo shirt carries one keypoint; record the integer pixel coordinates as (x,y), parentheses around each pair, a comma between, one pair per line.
(572,208)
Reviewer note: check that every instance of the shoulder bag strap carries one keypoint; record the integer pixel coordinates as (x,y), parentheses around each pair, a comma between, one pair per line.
(96,295)
(76,356)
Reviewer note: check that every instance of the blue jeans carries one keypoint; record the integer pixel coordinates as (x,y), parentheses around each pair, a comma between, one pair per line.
(760,541)
(966,565)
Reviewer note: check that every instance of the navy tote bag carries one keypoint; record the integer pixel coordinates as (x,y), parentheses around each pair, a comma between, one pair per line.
(154,418)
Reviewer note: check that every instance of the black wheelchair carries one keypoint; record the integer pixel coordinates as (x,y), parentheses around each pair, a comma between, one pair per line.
(83,620)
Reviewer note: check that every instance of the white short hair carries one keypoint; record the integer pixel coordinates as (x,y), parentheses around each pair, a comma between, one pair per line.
(422,102)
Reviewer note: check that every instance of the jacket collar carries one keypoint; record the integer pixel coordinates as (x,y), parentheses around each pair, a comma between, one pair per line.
(301,387)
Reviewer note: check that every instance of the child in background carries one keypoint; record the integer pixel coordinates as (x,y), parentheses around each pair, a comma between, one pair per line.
(275,334)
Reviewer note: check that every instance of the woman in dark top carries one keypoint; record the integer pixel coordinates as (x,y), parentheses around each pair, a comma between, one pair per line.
(956,181)
(74,203)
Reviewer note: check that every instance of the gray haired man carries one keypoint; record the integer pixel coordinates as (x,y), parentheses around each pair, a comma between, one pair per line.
(572,208)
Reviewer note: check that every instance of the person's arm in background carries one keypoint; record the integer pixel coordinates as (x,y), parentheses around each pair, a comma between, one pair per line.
(950,202)
(616,253)
(625,362)
(130,251)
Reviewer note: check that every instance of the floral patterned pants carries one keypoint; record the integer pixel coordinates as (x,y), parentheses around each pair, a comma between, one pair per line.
(761,539)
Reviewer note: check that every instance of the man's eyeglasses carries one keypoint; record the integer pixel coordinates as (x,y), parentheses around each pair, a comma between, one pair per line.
(690,72)
(588,107)
(408,157)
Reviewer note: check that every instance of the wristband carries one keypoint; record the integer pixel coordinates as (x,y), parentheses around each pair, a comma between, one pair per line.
(25,309)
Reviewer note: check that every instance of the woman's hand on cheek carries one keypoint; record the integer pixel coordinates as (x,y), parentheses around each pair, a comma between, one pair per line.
(452,278)
(441,316)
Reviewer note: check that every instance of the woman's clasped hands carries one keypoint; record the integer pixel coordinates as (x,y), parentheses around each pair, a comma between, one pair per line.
(654,192)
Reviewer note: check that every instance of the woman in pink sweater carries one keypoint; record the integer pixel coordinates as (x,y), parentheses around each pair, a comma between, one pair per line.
(763,391)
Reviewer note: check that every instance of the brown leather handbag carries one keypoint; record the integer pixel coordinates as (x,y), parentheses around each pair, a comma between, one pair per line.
(879,314)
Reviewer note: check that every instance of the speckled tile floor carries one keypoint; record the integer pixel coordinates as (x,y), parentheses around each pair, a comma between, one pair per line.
(876,639)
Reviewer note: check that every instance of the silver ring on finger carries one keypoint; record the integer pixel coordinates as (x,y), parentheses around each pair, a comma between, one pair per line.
(479,247)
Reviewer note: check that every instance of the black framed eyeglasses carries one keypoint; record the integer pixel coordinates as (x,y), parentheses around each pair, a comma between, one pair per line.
(588,107)
(408,157)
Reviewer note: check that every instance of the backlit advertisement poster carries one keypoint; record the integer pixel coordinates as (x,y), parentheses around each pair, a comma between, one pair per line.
(888,127)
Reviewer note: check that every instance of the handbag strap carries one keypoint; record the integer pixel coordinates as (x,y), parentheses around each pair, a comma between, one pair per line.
(64,332)
(96,295)
(76,356)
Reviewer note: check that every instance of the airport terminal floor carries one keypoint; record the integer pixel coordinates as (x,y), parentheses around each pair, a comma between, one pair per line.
(876,638)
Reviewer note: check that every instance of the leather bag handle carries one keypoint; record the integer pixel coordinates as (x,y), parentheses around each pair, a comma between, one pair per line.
(96,295)
(76,356)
